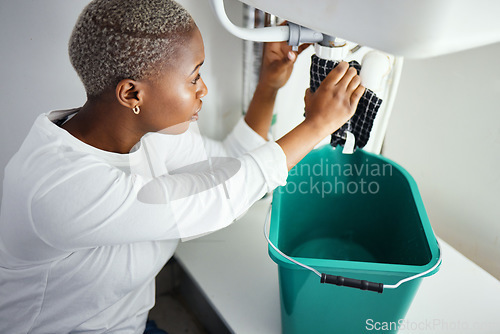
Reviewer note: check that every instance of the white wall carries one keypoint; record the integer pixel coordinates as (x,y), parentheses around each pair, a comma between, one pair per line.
(36,75)
(445,130)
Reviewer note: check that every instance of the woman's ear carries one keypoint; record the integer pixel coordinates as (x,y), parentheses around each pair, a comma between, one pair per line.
(129,93)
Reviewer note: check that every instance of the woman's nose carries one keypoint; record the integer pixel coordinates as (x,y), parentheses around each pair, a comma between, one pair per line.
(203,89)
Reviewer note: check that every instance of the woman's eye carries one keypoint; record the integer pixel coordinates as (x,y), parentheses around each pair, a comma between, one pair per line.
(196,79)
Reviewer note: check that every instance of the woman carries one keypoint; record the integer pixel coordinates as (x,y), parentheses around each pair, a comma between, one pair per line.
(97,198)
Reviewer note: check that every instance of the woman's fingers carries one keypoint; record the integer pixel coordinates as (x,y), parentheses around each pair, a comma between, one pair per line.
(347,79)
(307,96)
(353,84)
(292,55)
(335,75)
(356,95)
(303,47)
(342,83)
(349,75)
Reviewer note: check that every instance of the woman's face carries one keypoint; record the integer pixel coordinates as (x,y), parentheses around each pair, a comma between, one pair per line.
(172,100)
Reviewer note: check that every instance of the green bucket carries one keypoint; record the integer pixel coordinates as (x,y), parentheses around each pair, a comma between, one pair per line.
(352,215)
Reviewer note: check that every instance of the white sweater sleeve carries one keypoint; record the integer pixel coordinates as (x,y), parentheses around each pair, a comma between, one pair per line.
(95,204)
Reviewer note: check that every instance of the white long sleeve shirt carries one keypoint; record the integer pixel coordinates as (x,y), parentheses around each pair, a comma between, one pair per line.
(83,232)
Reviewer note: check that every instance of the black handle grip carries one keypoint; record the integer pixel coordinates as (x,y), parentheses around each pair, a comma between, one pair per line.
(352,283)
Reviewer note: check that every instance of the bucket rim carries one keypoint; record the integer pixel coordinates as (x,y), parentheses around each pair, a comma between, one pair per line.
(362,266)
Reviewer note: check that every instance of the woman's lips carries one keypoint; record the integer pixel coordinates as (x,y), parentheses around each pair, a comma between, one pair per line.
(195,116)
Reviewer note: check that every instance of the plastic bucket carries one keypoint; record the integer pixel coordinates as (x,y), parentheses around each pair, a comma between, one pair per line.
(358,216)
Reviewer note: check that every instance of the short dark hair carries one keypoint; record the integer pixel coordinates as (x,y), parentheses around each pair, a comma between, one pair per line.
(116,39)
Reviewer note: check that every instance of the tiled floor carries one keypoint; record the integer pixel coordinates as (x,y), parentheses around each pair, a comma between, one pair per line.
(173,317)
(170,312)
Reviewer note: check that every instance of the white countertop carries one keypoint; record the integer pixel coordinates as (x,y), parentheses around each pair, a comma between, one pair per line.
(240,281)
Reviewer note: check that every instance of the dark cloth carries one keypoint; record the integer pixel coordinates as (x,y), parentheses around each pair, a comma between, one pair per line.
(362,122)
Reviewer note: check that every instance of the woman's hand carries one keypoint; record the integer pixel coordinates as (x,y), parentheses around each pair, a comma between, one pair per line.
(277,63)
(336,99)
(327,109)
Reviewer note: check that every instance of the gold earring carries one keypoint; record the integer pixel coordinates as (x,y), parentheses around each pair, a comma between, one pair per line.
(136,110)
